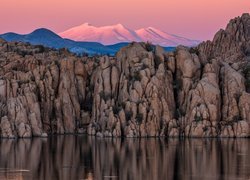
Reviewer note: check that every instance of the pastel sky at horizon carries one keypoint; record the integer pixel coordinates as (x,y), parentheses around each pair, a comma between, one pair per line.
(194,19)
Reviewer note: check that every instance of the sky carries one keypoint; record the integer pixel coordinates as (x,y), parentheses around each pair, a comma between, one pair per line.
(194,19)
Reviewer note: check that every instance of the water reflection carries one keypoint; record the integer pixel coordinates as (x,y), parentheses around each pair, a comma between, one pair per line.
(81,157)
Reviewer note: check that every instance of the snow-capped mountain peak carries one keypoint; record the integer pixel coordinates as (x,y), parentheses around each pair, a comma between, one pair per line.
(86,24)
(118,26)
(119,33)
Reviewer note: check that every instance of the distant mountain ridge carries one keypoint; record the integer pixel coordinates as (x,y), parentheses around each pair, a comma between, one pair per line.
(118,33)
(50,39)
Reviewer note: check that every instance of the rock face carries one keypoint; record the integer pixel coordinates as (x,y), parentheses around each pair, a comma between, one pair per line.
(134,95)
(142,92)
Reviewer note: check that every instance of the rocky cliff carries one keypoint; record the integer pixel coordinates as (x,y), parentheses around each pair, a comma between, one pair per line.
(142,92)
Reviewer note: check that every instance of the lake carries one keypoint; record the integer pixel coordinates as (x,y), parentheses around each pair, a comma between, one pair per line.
(82,157)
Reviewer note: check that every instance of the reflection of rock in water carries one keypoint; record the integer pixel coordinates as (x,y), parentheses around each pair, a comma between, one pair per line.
(13,174)
(70,157)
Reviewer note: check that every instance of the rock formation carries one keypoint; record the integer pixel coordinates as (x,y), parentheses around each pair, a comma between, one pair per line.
(141,92)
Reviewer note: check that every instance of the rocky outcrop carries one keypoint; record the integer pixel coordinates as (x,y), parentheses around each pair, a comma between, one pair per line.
(134,95)
(141,92)
(231,44)
(42,91)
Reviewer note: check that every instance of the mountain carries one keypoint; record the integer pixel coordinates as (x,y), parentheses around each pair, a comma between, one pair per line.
(50,39)
(164,39)
(108,35)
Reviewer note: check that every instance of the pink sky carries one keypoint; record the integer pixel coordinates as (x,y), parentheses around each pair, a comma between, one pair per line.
(195,19)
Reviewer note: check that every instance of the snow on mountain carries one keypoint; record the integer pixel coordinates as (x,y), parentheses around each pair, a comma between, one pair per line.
(164,39)
(50,39)
(108,35)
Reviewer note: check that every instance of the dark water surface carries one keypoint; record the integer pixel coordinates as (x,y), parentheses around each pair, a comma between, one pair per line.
(81,157)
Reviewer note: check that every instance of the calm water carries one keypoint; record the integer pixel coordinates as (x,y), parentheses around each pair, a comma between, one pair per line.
(81,157)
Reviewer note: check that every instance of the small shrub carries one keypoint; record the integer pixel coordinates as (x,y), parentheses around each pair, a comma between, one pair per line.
(144,66)
(128,115)
(237,97)
(139,102)
(40,49)
(3,108)
(94,66)
(247,84)
(177,84)
(57,63)
(179,113)
(64,51)
(20,82)
(87,106)
(105,96)
(149,47)
(123,104)
(84,54)
(130,77)
(157,62)
(102,94)
(246,73)
(137,76)
(236,118)
(108,96)
(23,53)
(96,59)
(14,68)
(194,50)
(32,78)
(42,77)
(116,109)
(205,128)
(197,118)
(139,117)
(91,87)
